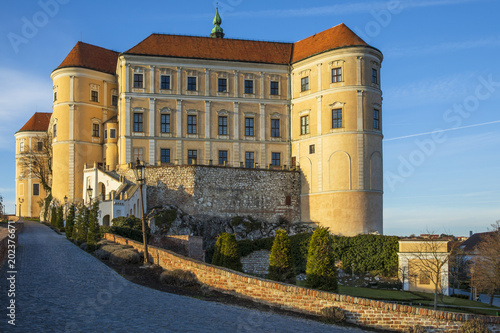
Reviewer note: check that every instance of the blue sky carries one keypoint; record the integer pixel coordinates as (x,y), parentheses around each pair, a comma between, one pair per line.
(440,81)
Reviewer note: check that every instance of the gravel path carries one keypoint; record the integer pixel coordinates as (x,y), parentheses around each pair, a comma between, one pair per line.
(60,288)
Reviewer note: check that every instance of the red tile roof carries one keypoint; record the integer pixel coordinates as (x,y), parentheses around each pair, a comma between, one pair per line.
(213,49)
(39,122)
(92,57)
(336,37)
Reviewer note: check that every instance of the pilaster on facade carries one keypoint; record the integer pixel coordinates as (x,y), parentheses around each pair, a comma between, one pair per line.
(236,85)
(262,86)
(319,152)
(72,88)
(361,160)
(359,75)
(152,152)
(263,155)
(207,119)
(237,121)
(127,116)
(71,122)
(319,114)
(105,93)
(152,116)
(262,122)
(127,77)
(320,83)
(71,172)
(208,151)
(207,82)
(178,119)
(128,150)
(178,145)
(360,110)
(152,79)
(179,80)
(236,154)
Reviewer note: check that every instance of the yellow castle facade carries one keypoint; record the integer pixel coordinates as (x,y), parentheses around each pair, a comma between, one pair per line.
(315,104)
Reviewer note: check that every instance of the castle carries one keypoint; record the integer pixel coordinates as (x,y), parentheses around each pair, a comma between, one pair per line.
(314,105)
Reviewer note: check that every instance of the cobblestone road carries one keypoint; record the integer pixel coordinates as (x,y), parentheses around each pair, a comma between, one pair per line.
(60,288)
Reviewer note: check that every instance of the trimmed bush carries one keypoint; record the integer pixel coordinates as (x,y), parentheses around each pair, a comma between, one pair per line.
(93,233)
(53,216)
(179,278)
(280,261)
(60,217)
(217,256)
(125,256)
(320,270)
(227,253)
(474,326)
(81,227)
(70,222)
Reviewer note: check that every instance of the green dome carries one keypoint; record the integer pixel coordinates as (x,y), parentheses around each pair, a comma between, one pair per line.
(217,31)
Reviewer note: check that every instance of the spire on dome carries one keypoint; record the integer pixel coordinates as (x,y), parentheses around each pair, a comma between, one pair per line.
(217,31)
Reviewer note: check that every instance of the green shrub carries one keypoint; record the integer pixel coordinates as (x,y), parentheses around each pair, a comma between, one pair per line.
(280,261)
(60,217)
(93,232)
(124,232)
(227,253)
(70,222)
(300,246)
(130,222)
(474,326)
(165,219)
(81,227)
(53,216)
(333,314)
(320,270)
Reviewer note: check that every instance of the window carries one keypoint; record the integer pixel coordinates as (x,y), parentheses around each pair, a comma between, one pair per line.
(191,83)
(95,130)
(222,157)
(54,130)
(276,159)
(376,119)
(249,126)
(55,96)
(39,145)
(137,122)
(112,133)
(137,154)
(424,279)
(336,75)
(165,82)
(248,86)
(275,88)
(192,156)
(337,118)
(191,124)
(138,80)
(304,125)
(222,125)
(222,85)
(21,146)
(249,159)
(165,123)
(94,96)
(105,134)
(374,76)
(275,128)
(304,83)
(165,155)
(114,100)
(312,149)
(36,189)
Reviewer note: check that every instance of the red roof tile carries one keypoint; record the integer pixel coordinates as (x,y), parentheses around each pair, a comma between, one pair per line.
(39,122)
(92,57)
(214,49)
(336,37)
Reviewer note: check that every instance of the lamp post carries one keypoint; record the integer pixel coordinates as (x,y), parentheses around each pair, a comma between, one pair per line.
(65,207)
(139,172)
(89,193)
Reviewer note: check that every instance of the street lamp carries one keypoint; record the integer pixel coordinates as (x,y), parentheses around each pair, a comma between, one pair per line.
(65,200)
(139,172)
(89,193)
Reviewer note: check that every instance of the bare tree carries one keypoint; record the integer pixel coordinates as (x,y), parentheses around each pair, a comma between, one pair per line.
(429,259)
(487,263)
(37,160)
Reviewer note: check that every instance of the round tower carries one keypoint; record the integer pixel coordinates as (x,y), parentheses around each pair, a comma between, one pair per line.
(337,131)
(85,96)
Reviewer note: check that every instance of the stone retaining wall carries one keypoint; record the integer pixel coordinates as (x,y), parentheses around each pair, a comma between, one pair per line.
(4,241)
(256,263)
(359,311)
(206,191)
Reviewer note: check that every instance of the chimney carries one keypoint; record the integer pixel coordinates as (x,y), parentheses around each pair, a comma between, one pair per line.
(470,233)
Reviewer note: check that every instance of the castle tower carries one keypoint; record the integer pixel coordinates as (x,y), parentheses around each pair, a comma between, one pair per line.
(337,131)
(31,150)
(85,96)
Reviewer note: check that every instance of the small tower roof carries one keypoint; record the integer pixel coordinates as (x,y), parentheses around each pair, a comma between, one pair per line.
(39,122)
(217,31)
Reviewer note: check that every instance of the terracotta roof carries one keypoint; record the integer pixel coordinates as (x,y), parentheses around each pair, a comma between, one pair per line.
(92,57)
(336,37)
(214,49)
(39,122)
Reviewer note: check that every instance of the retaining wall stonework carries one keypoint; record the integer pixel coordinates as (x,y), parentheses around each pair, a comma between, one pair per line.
(4,241)
(205,191)
(256,263)
(359,311)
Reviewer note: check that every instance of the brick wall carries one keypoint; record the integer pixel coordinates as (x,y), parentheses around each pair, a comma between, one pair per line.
(205,191)
(256,263)
(358,310)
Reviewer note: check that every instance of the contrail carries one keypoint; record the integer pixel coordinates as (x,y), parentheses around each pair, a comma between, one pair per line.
(440,131)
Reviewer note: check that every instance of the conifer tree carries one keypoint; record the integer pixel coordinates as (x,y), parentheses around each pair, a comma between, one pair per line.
(230,253)
(93,226)
(53,216)
(320,270)
(280,260)
(60,217)
(81,225)
(217,257)
(70,222)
